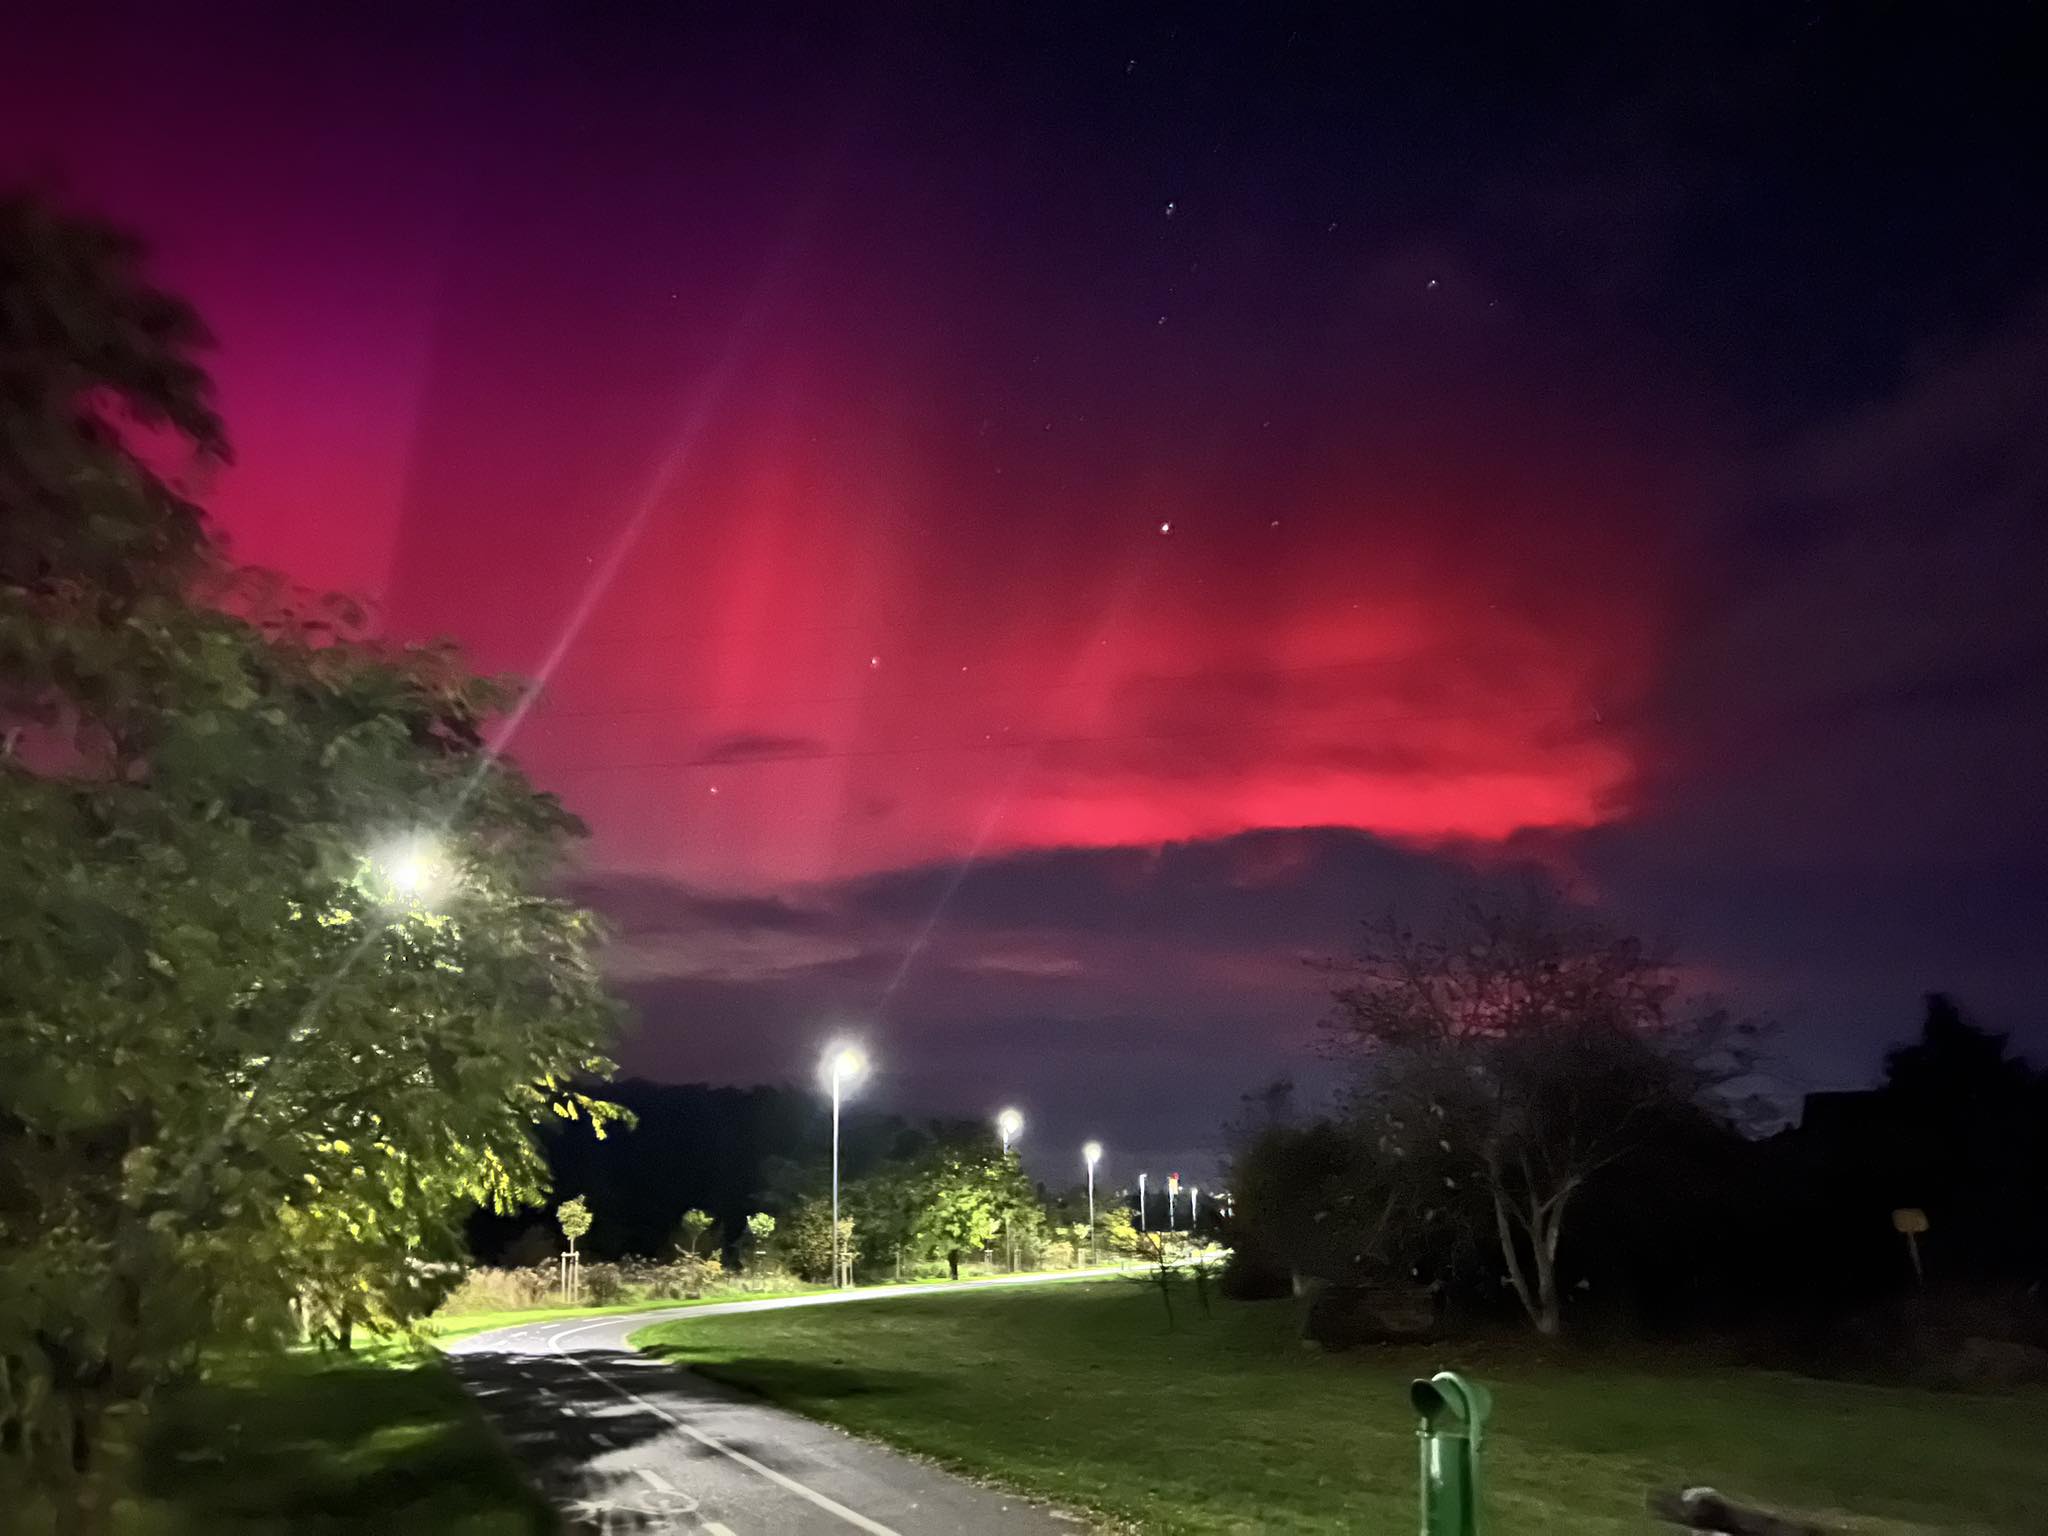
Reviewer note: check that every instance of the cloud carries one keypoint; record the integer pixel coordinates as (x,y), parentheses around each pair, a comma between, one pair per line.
(756,746)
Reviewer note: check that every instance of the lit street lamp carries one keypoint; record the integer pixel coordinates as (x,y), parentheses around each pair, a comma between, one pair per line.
(1194,1207)
(843,1064)
(1172,1195)
(1141,1204)
(415,869)
(1091,1155)
(1009,1125)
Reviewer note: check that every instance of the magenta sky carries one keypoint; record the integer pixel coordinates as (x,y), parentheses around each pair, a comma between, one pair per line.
(1206,487)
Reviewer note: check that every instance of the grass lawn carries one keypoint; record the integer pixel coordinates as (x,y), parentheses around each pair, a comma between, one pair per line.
(1078,1393)
(307,1446)
(456,1325)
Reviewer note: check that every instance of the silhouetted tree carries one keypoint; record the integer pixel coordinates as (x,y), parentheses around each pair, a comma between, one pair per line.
(1967,1144)
(1519,1049)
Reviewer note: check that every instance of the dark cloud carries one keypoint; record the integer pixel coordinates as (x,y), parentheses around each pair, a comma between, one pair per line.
(754,746)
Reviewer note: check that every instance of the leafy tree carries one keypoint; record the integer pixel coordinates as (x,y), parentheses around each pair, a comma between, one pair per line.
(968,1192)
(805,1239)
(890,1205)
(265,1036)
(691,1231)
(1115,1232)
(760,1226)
(573,1217)
(1518,1052)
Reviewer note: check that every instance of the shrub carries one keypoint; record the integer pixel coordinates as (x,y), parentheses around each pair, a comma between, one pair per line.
(601,1285)
(502,1290)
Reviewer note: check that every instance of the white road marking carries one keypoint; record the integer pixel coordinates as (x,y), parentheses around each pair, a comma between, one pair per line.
(717,1528)
(655,1480)
(852,1517)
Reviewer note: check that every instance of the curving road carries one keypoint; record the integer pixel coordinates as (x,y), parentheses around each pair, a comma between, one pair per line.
(621,1441)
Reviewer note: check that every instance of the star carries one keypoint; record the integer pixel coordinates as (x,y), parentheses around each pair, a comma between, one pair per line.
(1166,527)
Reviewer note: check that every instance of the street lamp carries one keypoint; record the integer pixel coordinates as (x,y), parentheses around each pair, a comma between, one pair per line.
(1009,1125)
(844,1064)
(412,869)
(1091,1155)
(1194,1207)
(1142,1227)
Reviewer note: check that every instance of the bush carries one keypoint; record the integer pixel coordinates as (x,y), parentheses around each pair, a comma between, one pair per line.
(502,1290)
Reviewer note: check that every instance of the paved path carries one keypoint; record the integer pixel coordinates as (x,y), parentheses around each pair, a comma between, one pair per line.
(622,1442)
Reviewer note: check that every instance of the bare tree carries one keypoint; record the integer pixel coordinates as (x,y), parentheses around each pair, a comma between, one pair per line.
(1520,1049)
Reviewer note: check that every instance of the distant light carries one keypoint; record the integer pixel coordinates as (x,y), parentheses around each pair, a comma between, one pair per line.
(874,662)
(1010,1122)
(1166,527)
(1092,1153)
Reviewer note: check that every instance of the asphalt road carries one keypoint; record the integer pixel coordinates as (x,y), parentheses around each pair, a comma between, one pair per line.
(622,1442)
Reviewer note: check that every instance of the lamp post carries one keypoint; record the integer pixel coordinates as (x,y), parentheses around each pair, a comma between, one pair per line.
(1009,1125)
(1091,1155)
(1141,1204)
(843,1063)
(1172,1197)
(1194,1207)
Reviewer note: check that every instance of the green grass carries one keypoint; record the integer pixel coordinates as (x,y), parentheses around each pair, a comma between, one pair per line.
(1228,1425)
(456,1325)
(307,1446)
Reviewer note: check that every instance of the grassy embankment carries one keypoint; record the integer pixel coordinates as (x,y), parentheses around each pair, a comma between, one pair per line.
(1228,1425)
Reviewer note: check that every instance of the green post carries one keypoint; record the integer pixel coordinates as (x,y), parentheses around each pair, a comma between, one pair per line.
(1451,1419)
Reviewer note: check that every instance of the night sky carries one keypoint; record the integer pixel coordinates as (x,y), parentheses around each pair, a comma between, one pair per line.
(1032,525)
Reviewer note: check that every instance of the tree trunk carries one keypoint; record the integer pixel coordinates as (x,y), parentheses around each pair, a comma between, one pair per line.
(953,1261)
(1543,1235)
(1511,1252)
(1548,1316)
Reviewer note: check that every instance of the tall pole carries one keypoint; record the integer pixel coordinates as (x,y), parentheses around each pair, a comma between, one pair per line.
(1091,1155)
(1141,1204)
(838,1270)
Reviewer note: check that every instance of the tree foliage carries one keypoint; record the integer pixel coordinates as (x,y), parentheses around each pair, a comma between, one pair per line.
(967,1193)
(804,1239)
(692,1230)
(249,1058)
(573,1217)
